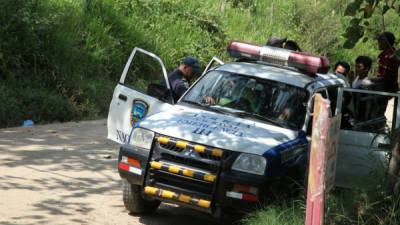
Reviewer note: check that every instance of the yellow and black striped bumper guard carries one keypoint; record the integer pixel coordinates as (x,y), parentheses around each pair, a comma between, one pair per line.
(176,196)
(182,171)
(185,144)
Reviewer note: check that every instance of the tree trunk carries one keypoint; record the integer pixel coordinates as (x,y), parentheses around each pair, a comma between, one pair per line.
(393,177)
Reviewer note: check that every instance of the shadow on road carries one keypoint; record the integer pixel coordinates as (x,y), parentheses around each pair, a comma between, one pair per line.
(67,174)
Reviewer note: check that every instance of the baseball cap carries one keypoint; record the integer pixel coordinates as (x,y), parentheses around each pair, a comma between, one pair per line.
(192,62)
(275,40)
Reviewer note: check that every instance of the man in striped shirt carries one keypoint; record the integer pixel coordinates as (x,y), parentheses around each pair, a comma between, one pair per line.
(388,64)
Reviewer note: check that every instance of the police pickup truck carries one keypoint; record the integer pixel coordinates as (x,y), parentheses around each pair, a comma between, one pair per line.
(241,132)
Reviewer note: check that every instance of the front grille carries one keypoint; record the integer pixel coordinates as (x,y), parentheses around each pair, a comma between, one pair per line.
(166,179)
(174,148)
(196,163)
(185,167)
(171,147)
(208,156)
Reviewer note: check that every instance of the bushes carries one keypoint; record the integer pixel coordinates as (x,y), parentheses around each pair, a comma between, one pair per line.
(76,50)
(61,59)
(56,61)
(23,103)
(314,27)
(20,44)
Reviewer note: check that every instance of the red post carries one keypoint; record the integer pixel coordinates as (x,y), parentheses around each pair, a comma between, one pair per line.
(322,153)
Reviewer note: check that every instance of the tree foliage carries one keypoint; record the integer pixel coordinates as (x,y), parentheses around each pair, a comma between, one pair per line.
(361,12)
(71,53)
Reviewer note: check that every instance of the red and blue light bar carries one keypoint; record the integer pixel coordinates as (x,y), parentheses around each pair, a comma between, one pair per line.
(300,60)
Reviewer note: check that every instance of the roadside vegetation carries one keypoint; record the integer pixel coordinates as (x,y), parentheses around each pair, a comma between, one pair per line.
(60,61)
(342,207)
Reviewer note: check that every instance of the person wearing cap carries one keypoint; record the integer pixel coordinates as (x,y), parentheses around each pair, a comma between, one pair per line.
(180,78)
(275,41)
(388,63)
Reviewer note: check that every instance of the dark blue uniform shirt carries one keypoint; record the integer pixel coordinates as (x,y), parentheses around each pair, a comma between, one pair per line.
(179,84)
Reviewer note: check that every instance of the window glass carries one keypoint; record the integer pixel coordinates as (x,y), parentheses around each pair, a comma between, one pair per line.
(242,95)
(367,112)
(144,73)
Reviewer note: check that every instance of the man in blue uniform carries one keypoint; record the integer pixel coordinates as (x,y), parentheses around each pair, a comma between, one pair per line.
(180,78)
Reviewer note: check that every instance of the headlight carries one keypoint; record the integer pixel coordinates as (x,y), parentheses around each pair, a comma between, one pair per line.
(250,163)
(142,138)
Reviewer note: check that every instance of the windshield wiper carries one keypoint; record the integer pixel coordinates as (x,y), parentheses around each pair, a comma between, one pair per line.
(207,106)
(257,116)
(196,103)
(217,108)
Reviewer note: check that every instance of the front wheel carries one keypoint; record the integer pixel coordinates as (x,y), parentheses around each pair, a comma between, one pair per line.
(134,201)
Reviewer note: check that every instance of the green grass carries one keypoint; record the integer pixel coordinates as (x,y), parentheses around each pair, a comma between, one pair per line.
(362,207)
(285,212)
(65,48)
(342,207)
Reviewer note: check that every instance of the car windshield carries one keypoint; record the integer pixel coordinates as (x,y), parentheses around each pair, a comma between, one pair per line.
(250,97)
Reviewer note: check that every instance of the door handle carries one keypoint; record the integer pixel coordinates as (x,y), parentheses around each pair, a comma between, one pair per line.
(122,97)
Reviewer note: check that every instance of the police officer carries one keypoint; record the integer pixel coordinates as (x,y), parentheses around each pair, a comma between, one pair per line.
(180,78)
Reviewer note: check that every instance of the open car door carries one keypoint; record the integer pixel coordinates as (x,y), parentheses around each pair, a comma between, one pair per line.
(138,94)
(368,120)
(211,63)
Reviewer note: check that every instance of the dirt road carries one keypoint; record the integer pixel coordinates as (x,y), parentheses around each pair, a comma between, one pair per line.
(67,174)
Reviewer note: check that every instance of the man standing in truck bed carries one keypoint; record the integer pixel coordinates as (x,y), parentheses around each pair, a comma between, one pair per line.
(388,63)
(387,68)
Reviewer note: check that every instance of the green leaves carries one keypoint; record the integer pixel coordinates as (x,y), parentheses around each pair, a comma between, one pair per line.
(363,11)
(355,21)
(368,11)
(385,9)
(353,33)
(352,8)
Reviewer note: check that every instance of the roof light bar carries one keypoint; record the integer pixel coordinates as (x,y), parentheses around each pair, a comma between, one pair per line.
(302,61)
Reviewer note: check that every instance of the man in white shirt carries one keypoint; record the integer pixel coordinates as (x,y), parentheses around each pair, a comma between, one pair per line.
(362,107)
(363,65)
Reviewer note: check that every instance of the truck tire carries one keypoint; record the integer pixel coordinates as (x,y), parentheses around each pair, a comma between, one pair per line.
(134,201)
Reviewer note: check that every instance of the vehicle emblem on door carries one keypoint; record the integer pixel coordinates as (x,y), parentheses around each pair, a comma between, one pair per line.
(139,110)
